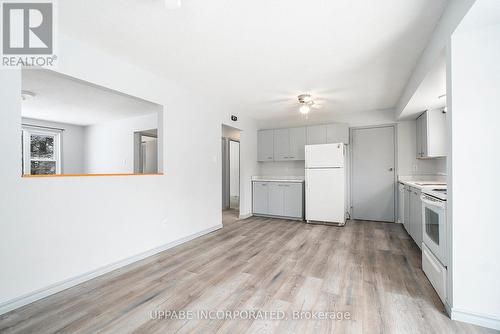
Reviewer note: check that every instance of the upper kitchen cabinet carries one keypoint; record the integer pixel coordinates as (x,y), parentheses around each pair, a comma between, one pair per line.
(298,138)
(431,134)
(337,133)
(289,144)
(328,134)
(265,145)
(316,134)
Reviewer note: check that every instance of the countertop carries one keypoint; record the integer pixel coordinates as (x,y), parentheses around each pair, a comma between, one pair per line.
(423,184)
(295,179)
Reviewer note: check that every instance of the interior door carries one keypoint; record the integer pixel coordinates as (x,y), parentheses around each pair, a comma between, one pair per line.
(373,174)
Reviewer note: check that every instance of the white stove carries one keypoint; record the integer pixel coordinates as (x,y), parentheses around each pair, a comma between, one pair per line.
(439,193)
(435,233)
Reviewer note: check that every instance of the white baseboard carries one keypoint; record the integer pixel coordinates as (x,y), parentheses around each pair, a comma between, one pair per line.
(71,282)
(245,216)
(475,318)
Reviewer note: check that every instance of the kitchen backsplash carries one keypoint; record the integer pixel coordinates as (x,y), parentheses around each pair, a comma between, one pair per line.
(282,168)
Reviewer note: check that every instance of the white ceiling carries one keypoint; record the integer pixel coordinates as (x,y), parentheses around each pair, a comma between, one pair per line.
(67,100)
(429,94)
(483,13)
(255,57)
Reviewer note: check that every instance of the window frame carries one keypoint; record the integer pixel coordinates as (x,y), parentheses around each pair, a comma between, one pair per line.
(27,131)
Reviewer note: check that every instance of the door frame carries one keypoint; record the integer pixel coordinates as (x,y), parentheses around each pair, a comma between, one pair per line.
(229,140)
(394,126)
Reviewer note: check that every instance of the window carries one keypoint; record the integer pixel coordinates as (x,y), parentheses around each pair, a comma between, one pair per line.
(41,151)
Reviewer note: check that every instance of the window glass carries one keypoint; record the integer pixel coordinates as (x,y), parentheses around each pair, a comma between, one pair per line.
(43,167)
(42,147)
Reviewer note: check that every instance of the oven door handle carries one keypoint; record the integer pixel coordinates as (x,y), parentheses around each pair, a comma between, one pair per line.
(430,201)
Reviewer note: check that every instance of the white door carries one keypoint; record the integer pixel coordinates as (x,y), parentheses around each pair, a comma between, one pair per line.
(325,195)
(373,174)
(324,156)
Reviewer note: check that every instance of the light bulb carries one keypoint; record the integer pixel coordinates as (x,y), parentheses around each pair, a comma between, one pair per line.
(305,109)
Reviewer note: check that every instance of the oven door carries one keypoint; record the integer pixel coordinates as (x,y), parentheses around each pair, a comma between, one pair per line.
(434,226)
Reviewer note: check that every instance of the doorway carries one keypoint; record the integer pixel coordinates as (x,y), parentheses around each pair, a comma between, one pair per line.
(230,174)
(373,173)
(146,152)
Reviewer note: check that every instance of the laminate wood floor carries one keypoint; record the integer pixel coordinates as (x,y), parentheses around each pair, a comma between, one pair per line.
(370,270)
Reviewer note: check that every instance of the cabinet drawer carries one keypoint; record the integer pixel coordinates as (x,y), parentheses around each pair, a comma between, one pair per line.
(435,272)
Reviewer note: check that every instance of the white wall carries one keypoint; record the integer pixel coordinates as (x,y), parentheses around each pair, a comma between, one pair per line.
(72,144)
(474,174)
(109,146)
(453,14)
(87,223)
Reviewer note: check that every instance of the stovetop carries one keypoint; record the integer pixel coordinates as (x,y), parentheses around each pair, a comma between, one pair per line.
(440,193)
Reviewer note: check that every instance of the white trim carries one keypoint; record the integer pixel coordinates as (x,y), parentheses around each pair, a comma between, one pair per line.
(483,320)
(71,282)
(245,216)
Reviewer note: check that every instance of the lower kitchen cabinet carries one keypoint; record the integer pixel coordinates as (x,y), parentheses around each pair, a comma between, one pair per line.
(411,212)
(278,199)
(260,197)
(416,216)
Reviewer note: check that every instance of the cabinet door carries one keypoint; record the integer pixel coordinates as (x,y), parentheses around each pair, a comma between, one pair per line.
(261,198)
(423,134)
(416,214)
(436,133)
(407,208)
(419,137)
(265,145)
(276,192)
(337,133)
(293,200)
(281,144)
(316,134)
(401,202)
(298,137)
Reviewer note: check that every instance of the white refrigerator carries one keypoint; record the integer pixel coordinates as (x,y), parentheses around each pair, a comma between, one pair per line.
(325,184)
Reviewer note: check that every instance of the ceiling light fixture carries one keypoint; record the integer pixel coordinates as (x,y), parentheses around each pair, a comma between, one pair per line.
(306,102)
(173,4)
(305,109)
(27,95)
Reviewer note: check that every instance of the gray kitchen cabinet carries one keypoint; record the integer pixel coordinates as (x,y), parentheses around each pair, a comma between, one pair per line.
(265,145)
(281,144)
(276,195)
(316,134)
(407,199)
(431,134)
(337,133)
(289,144)
(260,198)
(293,200)
(298,138)
(416,216)
(401,203)
(278,199)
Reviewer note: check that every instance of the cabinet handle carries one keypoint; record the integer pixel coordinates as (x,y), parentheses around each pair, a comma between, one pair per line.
(292,157)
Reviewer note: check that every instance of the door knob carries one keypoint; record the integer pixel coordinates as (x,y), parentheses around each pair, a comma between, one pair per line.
(391,169)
